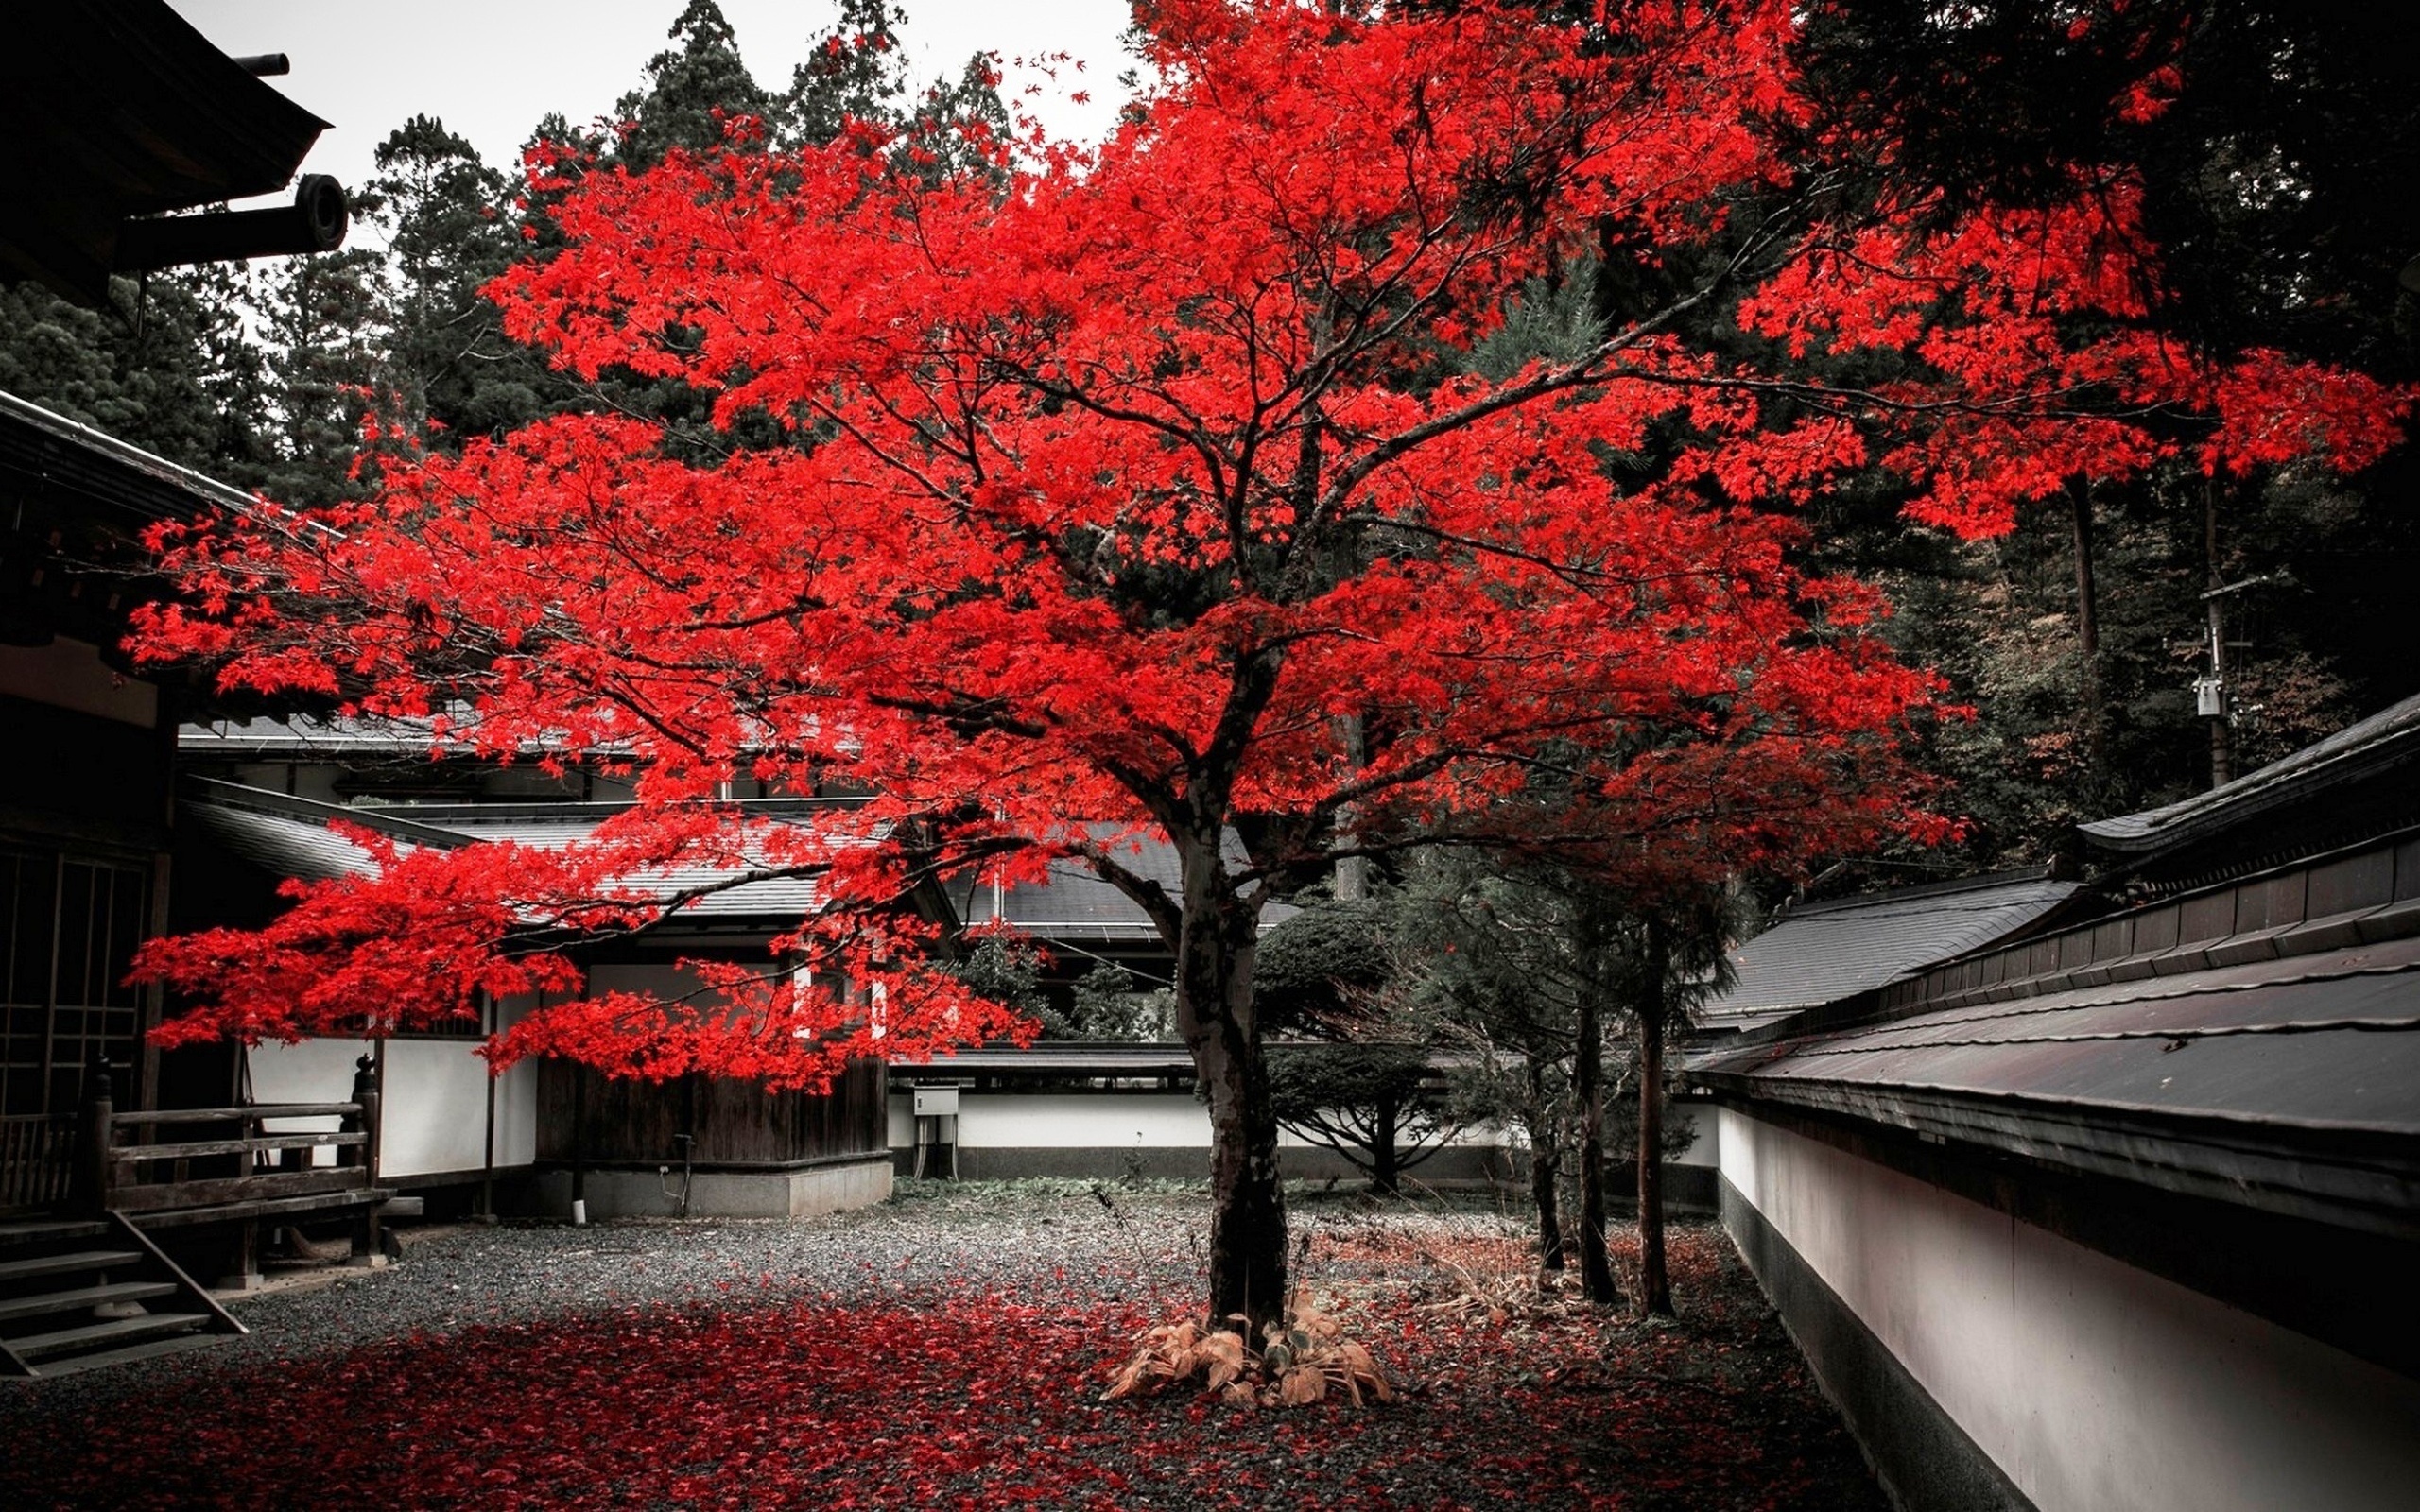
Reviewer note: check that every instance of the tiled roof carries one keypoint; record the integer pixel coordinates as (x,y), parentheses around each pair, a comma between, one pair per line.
(1823,953)
(197,487)
(303,737)
(1075,903)
(290,837)
(2326,1041)
(2273,1066)
(280,844)
(326,739)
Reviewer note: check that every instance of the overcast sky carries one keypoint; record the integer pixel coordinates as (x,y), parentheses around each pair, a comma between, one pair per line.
(491,68)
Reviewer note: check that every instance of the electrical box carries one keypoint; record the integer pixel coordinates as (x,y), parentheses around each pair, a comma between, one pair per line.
(936,1102)
(2209,697)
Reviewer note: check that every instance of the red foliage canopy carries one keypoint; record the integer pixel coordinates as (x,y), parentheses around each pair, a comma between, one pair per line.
(1164,487)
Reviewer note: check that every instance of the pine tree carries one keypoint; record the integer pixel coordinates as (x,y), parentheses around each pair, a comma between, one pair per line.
(854,72)
(450,228)
(165,364)
(324,319)
(693,92)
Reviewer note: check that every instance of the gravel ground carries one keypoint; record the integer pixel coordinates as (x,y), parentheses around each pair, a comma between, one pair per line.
(1714,1412)
(1044,1241)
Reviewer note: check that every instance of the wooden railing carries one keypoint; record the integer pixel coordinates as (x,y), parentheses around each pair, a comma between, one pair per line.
(37,1162)
(254,1162)
(123,1165)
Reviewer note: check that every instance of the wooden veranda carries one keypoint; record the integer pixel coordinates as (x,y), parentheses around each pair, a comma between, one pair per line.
(82,1282)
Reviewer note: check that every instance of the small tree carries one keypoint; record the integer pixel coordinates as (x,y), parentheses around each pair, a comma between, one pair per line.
(1109,1003)
(1380,1105)
(1008,971)
(1519,966)
(1318,972)
(1494,1082)
(1514,965)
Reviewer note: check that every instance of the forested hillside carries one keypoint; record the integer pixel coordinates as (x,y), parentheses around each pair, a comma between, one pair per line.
(2277,168)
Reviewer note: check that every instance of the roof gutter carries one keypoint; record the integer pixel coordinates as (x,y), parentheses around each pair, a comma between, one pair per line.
(316,222)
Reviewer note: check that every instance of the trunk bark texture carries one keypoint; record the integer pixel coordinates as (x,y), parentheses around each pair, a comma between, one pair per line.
(1587,1083)
(1546,1170)
(1386,1168)
(1654,1282)
(1352,882)
(2087,621)
(1214,1010)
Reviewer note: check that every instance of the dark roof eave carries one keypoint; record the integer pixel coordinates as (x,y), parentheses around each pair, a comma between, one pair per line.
(2353,1176)
(180,494)
(2295,779)
(1071,1058)
(117,109)
(211,791)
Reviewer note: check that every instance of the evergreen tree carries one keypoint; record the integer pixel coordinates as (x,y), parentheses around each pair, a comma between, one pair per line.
(692,92)
(450,228)
(1107,1003)
(2276,151)
(323,318)
(960,126)
(854,71)
(164,365)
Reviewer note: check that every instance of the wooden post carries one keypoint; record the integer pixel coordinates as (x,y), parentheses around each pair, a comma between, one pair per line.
(1654,1279)
(244,1275)
(491,1022)
(366,1249)
(96,1173)
(578,1142)
(351,1123)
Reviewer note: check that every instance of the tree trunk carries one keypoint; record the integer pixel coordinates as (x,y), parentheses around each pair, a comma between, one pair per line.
(1654,1283)
(1545,1169)
(1386,1172)
(1213,1013)
(1352,882)
(1588,1084)
(2087,621)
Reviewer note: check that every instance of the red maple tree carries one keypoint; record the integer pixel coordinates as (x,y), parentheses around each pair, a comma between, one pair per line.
(1161,487)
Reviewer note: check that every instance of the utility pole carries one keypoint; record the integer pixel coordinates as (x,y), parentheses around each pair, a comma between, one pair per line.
(2210,698)
(2211,691)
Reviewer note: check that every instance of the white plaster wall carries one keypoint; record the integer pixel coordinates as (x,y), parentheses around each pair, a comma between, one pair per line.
(1065,1120)
(432,1110)
(1704,1130)
(2092,1384)
(516,1097)
(314,1071)
(1085,1120)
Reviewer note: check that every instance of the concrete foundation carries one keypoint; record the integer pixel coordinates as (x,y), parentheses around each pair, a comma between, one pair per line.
(800,1192)
(1452,1166)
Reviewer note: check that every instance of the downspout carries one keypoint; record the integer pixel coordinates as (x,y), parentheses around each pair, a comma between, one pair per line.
(491,1012)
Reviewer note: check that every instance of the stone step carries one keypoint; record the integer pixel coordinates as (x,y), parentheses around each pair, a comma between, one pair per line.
(119,1331)
(175,1343)
(21,1270)
(44,1303)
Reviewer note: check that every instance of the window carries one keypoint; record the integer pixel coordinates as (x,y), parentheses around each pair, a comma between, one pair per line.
(68,928)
